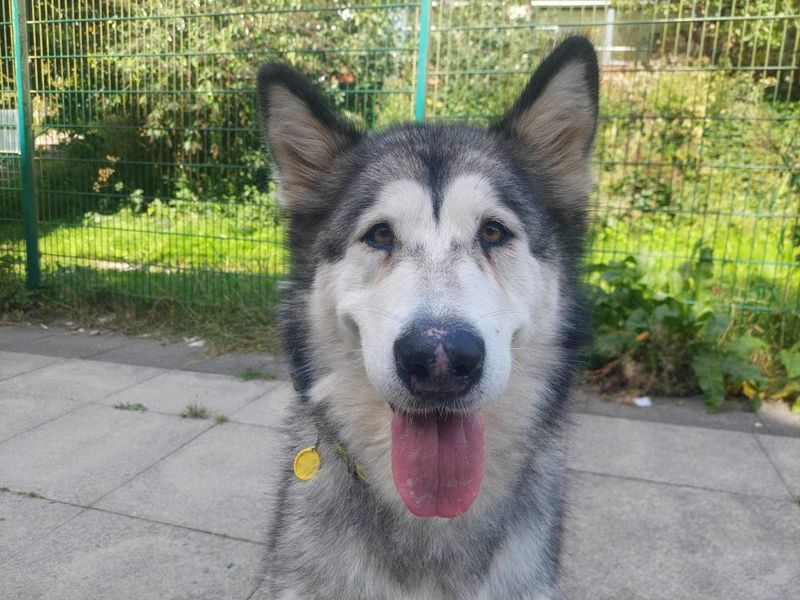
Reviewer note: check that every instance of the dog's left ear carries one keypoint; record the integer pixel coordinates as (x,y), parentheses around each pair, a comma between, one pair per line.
(555,119)
(303,131)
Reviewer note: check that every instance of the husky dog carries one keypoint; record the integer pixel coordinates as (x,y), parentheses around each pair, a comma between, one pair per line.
(433,317)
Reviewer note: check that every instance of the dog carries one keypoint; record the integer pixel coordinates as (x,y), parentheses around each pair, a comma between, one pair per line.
(434,319)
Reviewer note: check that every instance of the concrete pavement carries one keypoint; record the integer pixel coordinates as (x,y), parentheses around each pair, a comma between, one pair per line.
(100,499)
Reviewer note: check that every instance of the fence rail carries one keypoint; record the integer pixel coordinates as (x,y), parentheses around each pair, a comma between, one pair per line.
(151,179)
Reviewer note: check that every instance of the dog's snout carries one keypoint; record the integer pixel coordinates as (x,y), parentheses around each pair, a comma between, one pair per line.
(439,360)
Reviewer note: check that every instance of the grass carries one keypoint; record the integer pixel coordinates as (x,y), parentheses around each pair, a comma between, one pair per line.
(220,419)
(254,373)
(6,490)
(231,313)
(136,407)
(195,411)
(162,238)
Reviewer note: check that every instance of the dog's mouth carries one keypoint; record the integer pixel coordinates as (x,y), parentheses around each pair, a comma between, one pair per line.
(437,461)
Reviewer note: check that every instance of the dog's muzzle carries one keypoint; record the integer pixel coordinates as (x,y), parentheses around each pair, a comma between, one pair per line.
(439,362)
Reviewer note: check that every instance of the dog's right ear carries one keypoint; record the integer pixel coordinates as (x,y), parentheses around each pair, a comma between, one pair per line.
(303,132)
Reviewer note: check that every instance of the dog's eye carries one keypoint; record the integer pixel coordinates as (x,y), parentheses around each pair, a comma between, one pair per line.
(493,234)
(380,236)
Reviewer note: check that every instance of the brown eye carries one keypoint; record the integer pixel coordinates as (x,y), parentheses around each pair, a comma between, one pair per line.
(380,236)
(493,233)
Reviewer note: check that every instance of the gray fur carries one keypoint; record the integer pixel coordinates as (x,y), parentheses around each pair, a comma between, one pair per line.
(336,536)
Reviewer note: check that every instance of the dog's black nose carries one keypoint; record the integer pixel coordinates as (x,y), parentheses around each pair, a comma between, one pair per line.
(439,360)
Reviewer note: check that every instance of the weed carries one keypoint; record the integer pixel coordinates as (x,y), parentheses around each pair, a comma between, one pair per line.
(220,419)
(131,406)
(674,339)
(6,490)
(195,411)
(253,373)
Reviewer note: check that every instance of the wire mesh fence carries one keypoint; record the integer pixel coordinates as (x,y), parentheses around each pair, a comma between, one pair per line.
(153,182)
(10,213)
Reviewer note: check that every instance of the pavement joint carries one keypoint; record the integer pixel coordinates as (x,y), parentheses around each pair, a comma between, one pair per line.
(177,525)
(211,425)
(33,370)
(94,355)
(84,508)
(777,471)
(579,410)
(29,371)
(46,533)
(687,486)
(119,391)
(43,423)
(229,419)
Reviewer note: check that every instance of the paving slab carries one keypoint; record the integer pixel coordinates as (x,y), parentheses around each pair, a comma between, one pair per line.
(147,352)
(632,539)
(269,409)
(21,413)
(16,363)
(673,454)
(17,337)
(75,344)
(785,455)
(25,520)
(172,391)
(220,482)
(85,454)
(98,555)
(81,380)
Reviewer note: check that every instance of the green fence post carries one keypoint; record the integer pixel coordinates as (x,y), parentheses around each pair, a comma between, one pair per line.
(422,59)
(30,214)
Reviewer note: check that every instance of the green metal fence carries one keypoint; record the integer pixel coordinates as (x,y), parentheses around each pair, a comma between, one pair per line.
(151,178)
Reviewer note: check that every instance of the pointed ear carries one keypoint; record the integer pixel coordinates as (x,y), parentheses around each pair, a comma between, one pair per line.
(303,132)
(554,121)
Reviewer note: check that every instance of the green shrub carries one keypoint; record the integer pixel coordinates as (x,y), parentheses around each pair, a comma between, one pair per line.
(673,339)
(14,298)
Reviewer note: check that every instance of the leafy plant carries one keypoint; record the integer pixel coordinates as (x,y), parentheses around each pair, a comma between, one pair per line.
(788,386)
(673,340)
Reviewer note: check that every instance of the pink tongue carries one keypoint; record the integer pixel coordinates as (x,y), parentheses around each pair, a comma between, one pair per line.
(437,464)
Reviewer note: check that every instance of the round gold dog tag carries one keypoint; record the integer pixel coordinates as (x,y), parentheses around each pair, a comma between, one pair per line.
(306,463)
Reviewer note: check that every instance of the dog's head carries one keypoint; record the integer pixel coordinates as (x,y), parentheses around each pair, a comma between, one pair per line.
(432,262)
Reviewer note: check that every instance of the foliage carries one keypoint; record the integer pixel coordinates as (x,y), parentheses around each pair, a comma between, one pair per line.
(183,73)
(788,385)
(673,339)
(14,298)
